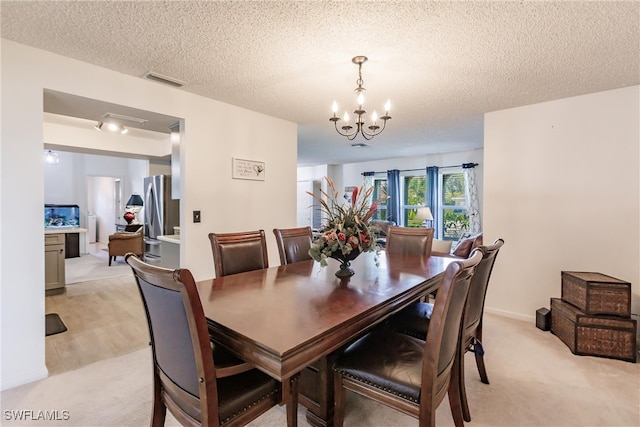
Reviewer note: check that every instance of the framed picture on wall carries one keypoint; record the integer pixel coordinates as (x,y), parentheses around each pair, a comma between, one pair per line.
(248,169)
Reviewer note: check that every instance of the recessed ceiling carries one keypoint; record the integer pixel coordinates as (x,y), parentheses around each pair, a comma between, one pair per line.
(443,64)
(98,111)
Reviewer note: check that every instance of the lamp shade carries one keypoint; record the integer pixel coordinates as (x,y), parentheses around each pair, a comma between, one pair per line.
(424,214)
(135,200)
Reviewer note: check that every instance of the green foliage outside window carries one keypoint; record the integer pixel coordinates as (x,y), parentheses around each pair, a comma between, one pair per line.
(414,196)
(456,217)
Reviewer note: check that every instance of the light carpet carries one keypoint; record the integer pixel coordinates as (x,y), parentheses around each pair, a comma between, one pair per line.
(535,381)
(95,266)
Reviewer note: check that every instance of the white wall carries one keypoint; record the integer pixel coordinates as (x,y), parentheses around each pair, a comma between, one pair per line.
(214,133)
(562,187)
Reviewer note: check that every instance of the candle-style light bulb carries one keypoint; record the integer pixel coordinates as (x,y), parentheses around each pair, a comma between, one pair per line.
(345,117)
(374,117)
(334,108)
(360,99)
(387,106)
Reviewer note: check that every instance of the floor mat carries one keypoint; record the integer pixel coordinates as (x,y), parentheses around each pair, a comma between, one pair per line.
(53,324)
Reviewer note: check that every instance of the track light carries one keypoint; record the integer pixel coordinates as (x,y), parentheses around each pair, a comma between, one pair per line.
(112,127)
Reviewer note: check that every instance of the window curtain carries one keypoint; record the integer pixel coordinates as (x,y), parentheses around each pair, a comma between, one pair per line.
(432,198)
(393,193)
(472,196)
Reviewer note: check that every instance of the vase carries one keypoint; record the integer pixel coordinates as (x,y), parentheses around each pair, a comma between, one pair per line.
(345,263)
(129,217)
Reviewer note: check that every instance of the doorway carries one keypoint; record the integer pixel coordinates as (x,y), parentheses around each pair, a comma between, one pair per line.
(104,200)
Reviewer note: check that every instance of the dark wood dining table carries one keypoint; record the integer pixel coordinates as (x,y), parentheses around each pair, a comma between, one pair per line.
(290,320)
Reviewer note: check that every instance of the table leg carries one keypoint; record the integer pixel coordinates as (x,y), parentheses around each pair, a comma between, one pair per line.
(316,391)
(290,398)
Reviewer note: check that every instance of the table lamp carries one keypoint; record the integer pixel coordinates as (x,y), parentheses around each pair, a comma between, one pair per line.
(424,215)
(133,207)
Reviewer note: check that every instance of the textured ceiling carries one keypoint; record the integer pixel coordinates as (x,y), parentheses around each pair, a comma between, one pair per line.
(442,64)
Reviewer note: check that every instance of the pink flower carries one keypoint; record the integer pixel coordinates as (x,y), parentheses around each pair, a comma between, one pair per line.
(365,239)
(353,242)
(330,236)
(354,196)
(341,237)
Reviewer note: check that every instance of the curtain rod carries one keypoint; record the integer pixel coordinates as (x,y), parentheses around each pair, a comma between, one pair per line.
(464,166)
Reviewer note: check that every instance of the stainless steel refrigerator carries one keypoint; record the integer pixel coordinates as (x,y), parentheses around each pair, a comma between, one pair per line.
(161,212)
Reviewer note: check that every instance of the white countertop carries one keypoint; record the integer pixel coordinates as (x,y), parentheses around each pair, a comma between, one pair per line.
(64,229)
(170,238)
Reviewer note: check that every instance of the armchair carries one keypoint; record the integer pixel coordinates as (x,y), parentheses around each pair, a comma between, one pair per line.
(130,240)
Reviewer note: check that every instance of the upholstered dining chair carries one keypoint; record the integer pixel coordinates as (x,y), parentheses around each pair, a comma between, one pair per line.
(199,381)
(239,252)
(406,373)
(293,244)
(415,241)
(414,320)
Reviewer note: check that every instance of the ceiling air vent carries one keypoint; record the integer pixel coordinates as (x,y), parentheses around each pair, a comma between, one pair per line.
(164,79)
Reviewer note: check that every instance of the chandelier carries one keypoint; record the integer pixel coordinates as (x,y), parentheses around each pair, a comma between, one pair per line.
(373,129)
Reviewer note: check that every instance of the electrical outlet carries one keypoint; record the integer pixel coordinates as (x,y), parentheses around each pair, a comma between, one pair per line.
(196,216)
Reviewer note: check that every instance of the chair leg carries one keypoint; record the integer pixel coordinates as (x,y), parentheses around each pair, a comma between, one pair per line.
(479,352)
(110,260)
(338,400)
(456,390)
(292,402)
(462,390)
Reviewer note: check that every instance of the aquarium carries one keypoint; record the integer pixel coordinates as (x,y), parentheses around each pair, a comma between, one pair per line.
(57,216)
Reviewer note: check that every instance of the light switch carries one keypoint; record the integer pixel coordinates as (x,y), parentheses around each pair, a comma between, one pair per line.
(196,216)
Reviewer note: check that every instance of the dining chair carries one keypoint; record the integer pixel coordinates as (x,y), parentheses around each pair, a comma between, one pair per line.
(239,252)
(198,380)
(404,372)
(293,244)
(414,320)
(410,241)
(414,241)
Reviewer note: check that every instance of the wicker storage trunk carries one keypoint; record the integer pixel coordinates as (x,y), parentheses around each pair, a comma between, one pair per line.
(596,293)
(604,336)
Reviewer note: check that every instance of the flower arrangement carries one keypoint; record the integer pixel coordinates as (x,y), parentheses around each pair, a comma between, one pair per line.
(347,232)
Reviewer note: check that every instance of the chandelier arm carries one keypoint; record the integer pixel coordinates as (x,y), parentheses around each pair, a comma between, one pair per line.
(374,133)
(348,135)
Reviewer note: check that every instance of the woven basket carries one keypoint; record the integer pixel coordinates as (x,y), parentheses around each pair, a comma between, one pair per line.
(596,293)
(603,336)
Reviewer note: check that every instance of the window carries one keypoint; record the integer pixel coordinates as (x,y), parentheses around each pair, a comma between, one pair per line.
(414,193)
(454,215)
(380,196)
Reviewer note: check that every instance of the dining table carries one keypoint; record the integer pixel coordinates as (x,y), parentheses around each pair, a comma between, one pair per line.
(289,321)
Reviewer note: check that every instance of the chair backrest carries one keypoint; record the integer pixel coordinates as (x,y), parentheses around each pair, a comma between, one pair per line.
(444,331)
(479,285)
(409,241)
(184,371)
(293,244)
(239,252)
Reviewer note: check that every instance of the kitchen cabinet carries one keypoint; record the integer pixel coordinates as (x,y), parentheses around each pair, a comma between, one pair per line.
(54,271)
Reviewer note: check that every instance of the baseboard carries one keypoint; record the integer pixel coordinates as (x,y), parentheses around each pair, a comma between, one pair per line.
(510,314)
